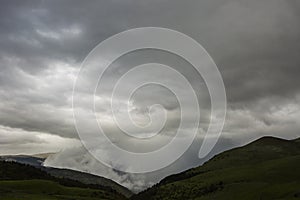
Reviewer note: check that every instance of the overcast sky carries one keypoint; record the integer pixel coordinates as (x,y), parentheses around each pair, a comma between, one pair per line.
(255,44)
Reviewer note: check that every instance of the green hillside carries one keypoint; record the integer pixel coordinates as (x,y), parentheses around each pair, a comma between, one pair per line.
(19,181)
(43,189)
(265,169)
(87,179)
(61,174)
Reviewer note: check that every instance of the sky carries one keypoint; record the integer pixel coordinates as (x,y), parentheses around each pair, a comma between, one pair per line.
(255,44)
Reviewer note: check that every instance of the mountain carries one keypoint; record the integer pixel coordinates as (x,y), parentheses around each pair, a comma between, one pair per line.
(88,179)
(84,178)
(267,168)
(20,181)
(24,159)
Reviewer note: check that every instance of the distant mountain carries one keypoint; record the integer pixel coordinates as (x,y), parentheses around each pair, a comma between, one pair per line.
(24,159)
(267,168)
(85,178)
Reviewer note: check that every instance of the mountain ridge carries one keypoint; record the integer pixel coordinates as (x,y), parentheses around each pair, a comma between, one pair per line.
(22,181)
(255,169)
(83,177)
(261,169)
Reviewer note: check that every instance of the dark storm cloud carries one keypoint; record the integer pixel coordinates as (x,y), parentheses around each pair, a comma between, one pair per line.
(255,44)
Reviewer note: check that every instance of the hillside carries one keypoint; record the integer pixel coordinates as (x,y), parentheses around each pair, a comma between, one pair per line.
(267,168)
(81,177)
(264,169)
(87,179)
(20,181)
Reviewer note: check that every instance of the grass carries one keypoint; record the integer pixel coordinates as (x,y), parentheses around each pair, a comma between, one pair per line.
(19,181)
(47,190)
(265,169)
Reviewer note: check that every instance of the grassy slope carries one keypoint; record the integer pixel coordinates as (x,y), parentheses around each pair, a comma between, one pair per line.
(82,177)
(43,189)
(265,169)
(88,179)
(19,181)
